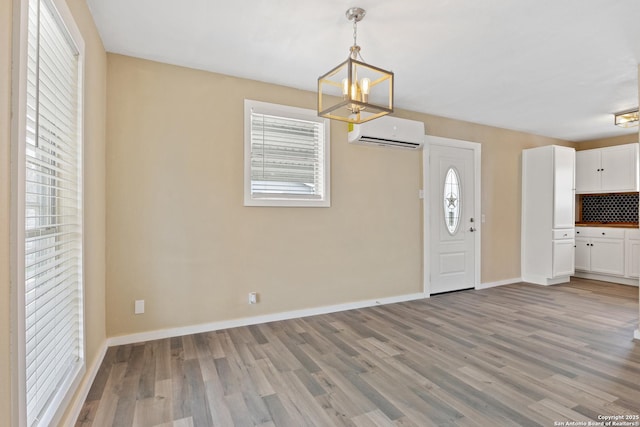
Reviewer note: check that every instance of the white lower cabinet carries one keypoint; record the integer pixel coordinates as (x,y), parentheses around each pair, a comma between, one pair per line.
(563,255)
(607,256)
(583,254)
(632,251)
(608,252)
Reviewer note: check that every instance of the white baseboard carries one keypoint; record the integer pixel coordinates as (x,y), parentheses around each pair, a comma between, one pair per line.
(246,321)
(636,334)
(607,278)
(487,285)
(537,279)
(85,386)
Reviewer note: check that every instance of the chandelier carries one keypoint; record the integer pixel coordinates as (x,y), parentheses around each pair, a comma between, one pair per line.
(355,91)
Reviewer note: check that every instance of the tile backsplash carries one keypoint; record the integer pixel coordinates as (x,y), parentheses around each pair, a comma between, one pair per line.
(610,207)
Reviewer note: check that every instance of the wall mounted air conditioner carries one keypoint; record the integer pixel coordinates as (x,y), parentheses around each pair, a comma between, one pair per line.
(388,132)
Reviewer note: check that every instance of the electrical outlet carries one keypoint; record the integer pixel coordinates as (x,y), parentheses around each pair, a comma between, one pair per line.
(253,297)
(139,307)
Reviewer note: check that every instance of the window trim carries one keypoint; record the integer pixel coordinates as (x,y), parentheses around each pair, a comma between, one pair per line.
(60,401)
(293,113)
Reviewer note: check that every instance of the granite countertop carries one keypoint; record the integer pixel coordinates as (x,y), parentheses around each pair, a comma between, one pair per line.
(607,224)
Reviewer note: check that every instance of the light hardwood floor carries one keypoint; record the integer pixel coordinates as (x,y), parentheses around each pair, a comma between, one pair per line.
(517,355)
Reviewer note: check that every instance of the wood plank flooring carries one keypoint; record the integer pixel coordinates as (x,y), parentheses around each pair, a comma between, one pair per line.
(517,355)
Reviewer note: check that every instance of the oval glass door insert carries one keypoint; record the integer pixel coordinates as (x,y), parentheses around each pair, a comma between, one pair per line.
(452,200)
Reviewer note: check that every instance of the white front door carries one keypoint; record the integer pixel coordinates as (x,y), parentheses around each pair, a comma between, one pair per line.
(453,224)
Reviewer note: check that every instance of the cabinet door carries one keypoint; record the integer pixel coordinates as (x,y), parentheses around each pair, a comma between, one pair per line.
(607,256)
(587,171)
(618,168)
(583,254)
(633,258)
(563,258)
(563,186)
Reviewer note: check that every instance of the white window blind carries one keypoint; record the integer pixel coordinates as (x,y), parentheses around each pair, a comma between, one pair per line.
(53,214)
(287,155)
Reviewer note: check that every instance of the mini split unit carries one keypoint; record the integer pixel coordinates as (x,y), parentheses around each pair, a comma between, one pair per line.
(388,132)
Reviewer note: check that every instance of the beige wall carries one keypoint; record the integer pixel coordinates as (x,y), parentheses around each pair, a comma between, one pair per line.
(607,142)
(5,265)
(180,238)
(95,104)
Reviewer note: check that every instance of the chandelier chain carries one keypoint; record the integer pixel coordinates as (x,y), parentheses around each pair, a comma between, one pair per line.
(355,32)
(355,50)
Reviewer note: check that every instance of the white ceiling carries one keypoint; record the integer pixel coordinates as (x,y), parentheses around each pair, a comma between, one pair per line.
(557,68)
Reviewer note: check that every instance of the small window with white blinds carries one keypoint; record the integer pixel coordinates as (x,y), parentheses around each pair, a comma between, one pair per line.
(53,279)
(286,156)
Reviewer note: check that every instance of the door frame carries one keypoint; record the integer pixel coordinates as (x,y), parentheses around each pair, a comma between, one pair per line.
(477,213)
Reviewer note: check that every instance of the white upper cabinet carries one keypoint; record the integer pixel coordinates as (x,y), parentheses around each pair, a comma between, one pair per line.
(607,170)
(588,171)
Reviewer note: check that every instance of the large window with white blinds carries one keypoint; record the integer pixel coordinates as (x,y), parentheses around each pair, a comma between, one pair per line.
(52,232)
(286,156)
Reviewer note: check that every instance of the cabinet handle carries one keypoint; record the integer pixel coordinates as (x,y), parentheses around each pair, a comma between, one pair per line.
(603,234)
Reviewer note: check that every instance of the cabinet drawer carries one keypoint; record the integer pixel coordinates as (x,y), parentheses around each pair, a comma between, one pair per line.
(586,231)
(612,233)
(563,234)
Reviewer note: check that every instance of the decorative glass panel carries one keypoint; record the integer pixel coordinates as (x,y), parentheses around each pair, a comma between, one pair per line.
(452,201)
